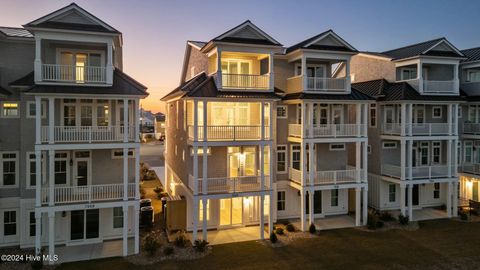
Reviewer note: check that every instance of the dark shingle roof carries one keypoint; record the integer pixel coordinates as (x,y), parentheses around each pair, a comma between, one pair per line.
(199,44)
(382,90)
(301,45)
(419,49)
(15,32)
(472,54)
(27,80)
(354,95)
(4,92)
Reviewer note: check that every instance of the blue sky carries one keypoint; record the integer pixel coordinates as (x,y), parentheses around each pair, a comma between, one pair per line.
(155,32)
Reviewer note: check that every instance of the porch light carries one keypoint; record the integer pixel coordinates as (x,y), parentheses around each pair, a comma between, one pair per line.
(469,184)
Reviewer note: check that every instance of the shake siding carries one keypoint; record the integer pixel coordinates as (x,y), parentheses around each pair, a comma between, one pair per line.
(365,69)
(197,60)
(283,70)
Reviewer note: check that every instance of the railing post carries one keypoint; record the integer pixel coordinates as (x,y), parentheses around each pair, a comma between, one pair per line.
(89,193)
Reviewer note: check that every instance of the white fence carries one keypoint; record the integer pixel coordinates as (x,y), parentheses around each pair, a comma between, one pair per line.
(425,129)
(333,177)
(326,84)
(230,132)
(68,73)
(89,193)
(328,131)
(230,184)
(245,81)
(420,172)
(87,133)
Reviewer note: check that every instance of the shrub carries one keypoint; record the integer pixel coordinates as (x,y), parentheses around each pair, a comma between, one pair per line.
(386,216)
(200,245)
(279,231)
(151,245)
(403,220)
(158,189)
(180,240)
(161,195)
(273,237)
(312,229)
(463,215)
(290,227)
(373,222)
(168,251)
(285,222)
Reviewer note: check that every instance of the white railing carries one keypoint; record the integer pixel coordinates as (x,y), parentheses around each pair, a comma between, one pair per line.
(473,168)
(326,84)
(230,184)
(76,74)
(230,133)
(338,177)
(328,131)
(438,86)
(87,133)
(245,81)
(91,193)
(295,175)
(420,172)
(471,128)
(425,129)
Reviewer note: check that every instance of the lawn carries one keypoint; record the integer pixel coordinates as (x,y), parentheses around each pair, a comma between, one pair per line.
(439,244)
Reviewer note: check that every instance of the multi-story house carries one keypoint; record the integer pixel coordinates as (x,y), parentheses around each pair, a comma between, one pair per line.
(413,126)
(69,140)
(239,157)
(469,118)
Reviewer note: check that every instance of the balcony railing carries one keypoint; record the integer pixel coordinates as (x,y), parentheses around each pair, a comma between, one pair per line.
(86,134)
(73,74)
(230,184)
(243,81)
(434,87)
(425,129)
(471,128)
(230,133)
(421,172)
(328,131)
(329,177)
(90,193)
(317,84)
(473,168)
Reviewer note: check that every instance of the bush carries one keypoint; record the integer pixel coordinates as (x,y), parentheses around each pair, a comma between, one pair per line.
(168,251)
(158,189)
(373,222)
(403,220)
(273,238)
(200,245)
(151,245)
(161,195)
(180,240)
(285,222)
(279,231)
(290,227)
(463,215)
(312,229)
(386,216)
(37,264)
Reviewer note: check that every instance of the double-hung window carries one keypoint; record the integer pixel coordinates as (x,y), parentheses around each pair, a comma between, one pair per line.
(117,217)
(61,168)
(10,223)
(282,112)
(281,158)
(436,190)
(281,201)
(392,192)
(8,169)
(436,152)
(296,157)
(373,115)
(32,169)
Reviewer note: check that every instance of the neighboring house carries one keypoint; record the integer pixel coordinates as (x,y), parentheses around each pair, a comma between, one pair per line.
(413,126)
(159,126)
(69,140)
(237,145)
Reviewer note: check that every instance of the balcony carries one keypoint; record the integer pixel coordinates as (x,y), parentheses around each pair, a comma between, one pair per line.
(74,74)
(421,172)
(335,177)
(86,134)
(328,131)
(425,129)
(230,133)
(317,84)
(471,128)
(242,81)
(91,193)
(230,184)
(473,168)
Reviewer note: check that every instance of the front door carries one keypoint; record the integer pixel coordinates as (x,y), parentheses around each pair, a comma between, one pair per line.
(414,196)
(317,202)
(241,161)
(84,224)
(231,212)
(82,169)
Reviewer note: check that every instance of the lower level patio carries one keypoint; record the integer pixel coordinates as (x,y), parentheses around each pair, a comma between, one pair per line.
(112,248)
(233,235)
(425,214)
(330,222)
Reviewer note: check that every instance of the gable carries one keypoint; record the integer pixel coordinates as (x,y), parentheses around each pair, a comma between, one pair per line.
(74,17)
(442,47)
(247,32)
(328,41)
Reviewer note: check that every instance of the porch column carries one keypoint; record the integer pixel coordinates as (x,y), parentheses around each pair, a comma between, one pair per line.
(304,71)
(38,59)
(410,160)
(303,117)
(365,206)
(455,199)
(125,120)
(51,120)
(51,234)
(402,199)
(51,177)
(450,119)
(303,162)
(410,202)
(358,159)
(38,178)
(270,71)
(270,212)
(137,119)
(125,230)
(357,206)
(219,68)
(204,220)
(38,232)
(358,115)
(449,199)
(137,173)
(409,119)
(270,128)
(419,76)
(136,228)
(456,79)
(38,120)
(109,69)
(347,76)
(403,113)
(195,120)
(195,217)
(365,120)
(125,173)
(365,162)
(205,121)
(302,209)
(455,119)
(311,193)
(204,172)
(262,217)
(403,159)
(310,120)
(262,121)
(262,185)
(312,166)
(450,164)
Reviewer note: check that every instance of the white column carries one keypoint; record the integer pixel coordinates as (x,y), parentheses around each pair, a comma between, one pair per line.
(262,185)
(204,214)
(358,115)
(51,234)
(358,159)
(455,119)
(38,178)
(303,108)
(310,120)
(205,121)
(51,177)
(125,230)
(195,170)
(450,164)
(403,159)
(304,73)
(303,162)
(270,213)
(262,121)
(270,71)
(449,199)
(137,173)
(195,217)
(410,160)
(410,119)
(455,199)
(402,199)
(125,174)
(38,119)
(313,167)
(38,59)
(125,120)
(270,133)
(450,118)
(219,68)
(262,216)
(137,119)
(136,227)
(205,169)
(302,209)
(365,119)
(365,161)
(410,202)
(109,70)
(403,108)
(51,119)
(456,78)
(357,206)
(419,76)
(195,121)
(38,232)
(365,206)
(311,195)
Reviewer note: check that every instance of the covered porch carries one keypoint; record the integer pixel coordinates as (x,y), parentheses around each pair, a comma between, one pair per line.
(112,248)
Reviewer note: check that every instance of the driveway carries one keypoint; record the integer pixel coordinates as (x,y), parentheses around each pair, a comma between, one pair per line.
(152,153)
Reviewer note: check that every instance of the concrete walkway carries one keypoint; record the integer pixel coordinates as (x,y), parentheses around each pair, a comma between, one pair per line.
(113,248)
(234,235)
(329,223)
(425,214)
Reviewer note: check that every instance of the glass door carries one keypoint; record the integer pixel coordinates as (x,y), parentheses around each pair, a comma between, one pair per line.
(80,67)
(231,212)
(82,168)
(84,224)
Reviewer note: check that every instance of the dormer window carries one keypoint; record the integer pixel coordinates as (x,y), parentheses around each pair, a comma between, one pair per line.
(80,66)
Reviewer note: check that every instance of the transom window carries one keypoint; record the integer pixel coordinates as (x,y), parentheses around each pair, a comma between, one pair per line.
(389,145)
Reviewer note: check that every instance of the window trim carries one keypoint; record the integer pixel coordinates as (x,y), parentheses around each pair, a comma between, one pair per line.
(436,192)
(2,115)
(43,109)
(372,107)
(117,217)
(369,149)
(390,193)
(292,151)
(437,144)
(16,222)
(334,195)
(337,149)
(120,157)
(389,147)
(286,112)
(433,112)
(17,168)
(285,151)
(28,160)
(282,201)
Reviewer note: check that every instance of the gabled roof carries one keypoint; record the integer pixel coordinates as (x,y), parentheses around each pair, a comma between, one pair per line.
(25,81)
(81,20)
(197,44)
(425,48)
(314,43)
(4,92)
(382,90)
(15,32)
(472,54)
(203,85)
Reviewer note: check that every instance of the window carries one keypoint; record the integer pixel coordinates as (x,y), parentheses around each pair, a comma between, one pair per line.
(324,114)
(10,223)
(31,109)
(32,223)
(334,197)
(436,152)
(282,112)
(296,157)
(200,151)
(118,153)
(468,152)
(337,147)
(117,217)
(369,149)
(8,169)
(424,156)
(103,112)
(373,115)
(389,145)
(408,73)
(473,76)
(281,201)
(419,115)
(392,189)
(10,109)
(61,172)
(281,158)
(459,108)
(436,190)
(436,112)
(200,215)
(32,169)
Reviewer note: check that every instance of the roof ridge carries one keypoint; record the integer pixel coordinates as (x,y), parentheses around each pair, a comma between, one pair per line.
(413,45)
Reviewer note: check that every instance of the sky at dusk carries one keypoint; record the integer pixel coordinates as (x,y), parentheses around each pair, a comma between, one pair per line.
(155,32)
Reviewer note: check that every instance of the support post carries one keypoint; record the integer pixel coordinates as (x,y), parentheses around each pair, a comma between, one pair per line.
(358,115)
(450,164)
(195,217)
(402,199)
(38,178)
(219,68)
(125,120)
(262,121)
(302,209)
(51,120)
(357,206)
(38,120)
(38,59)
(136,120)
(137,173)
(262,216)
(136,227)
(365,206)
(410,202)
(403,116)
(204,220)
(125,174)
(449,199)
(51,234)
(51,177)
(271,73)
(410,160)
(455,199)
(125,230)
(358,159)
(38,232)
(195,121)
(304,73)
(312,166)
(403,159)
(311,195)
(109,70)
(262,185)
(365,162)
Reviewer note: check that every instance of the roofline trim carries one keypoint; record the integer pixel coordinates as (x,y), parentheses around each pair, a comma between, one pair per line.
(243,25)
(330,32)
(444,40)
